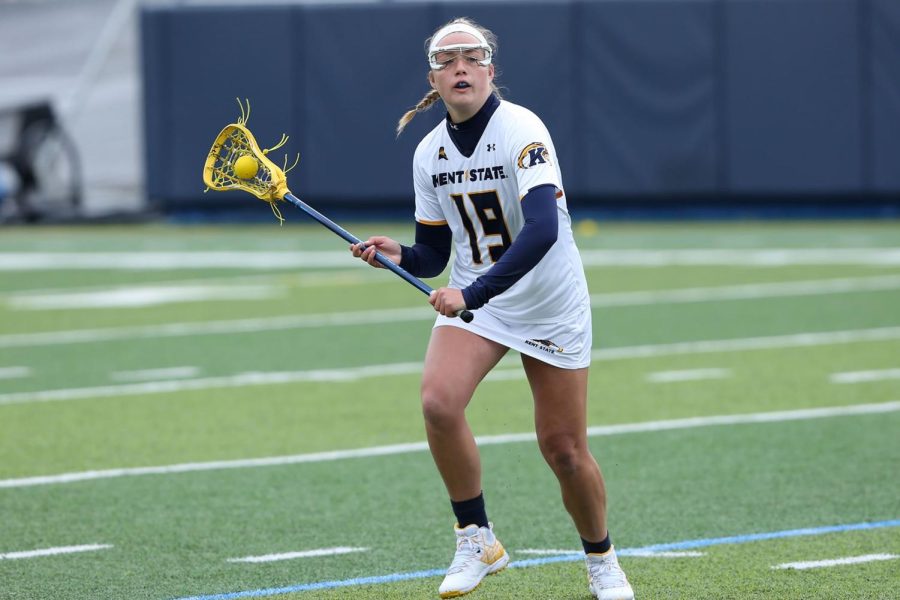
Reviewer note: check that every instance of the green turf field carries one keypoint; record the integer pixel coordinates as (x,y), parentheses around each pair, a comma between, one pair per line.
(175,397)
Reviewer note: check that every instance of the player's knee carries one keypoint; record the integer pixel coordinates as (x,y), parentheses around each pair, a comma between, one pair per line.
(561,453)
(439,407)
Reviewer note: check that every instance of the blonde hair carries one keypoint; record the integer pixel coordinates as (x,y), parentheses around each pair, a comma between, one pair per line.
(433,96)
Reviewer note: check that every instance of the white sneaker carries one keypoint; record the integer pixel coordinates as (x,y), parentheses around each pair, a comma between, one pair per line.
(606,578)
(478,553)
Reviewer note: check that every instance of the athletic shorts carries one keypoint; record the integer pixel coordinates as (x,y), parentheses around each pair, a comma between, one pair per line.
(566,344)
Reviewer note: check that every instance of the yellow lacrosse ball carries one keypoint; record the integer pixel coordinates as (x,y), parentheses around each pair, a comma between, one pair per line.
(246,167)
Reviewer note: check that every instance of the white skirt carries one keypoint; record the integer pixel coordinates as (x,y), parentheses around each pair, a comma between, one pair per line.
(566,344)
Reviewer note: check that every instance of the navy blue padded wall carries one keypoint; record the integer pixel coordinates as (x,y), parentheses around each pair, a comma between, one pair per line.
(885,91)
(354,86)
(200,67)
(648,97)
(653,98)
(793,96)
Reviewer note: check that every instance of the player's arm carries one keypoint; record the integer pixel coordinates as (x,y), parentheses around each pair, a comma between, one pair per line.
(534,241)
(431,252)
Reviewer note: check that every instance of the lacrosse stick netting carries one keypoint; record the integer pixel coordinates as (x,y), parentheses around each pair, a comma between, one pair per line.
(234,142)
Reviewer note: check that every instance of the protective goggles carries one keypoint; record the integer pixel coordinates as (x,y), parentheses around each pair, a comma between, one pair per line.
(472,54)
(442,56)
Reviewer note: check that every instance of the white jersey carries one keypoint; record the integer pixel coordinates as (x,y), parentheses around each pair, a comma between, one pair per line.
(479,198)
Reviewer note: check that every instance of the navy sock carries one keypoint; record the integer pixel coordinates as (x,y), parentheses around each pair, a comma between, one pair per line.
(470,512)
(601,547)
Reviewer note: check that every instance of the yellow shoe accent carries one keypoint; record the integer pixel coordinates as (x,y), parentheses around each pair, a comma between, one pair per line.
(478,553)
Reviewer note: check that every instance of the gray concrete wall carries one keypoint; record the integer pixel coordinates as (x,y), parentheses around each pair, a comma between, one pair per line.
(82,55)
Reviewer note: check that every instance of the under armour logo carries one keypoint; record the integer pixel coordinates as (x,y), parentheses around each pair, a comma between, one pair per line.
(491,147)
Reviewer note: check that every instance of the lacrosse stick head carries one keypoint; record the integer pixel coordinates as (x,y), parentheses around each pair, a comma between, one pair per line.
(234,142)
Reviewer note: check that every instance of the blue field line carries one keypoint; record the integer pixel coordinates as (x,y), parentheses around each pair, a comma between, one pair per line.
(534,562)
(323,585)
(757,537)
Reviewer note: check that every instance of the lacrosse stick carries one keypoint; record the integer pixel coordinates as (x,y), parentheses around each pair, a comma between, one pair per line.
(235,162)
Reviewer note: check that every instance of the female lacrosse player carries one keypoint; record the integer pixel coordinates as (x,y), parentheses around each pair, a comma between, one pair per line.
(487,183)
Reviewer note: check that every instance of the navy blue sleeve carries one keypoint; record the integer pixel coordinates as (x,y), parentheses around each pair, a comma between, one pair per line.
(431,252)
(534,241)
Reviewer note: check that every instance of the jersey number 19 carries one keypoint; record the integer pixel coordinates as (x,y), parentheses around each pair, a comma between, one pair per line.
(490,214)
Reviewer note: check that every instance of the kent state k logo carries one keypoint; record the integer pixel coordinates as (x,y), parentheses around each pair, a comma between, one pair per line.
(533,154)
(442,154)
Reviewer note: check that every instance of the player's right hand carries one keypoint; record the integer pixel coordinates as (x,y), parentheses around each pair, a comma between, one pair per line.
(385,245)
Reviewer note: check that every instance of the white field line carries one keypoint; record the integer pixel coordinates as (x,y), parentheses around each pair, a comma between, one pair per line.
(53,551)
(292,280)
(864,376)
(661,554)
(255,325)
(408,448)
(356,373)
(252,378)
(14,372)
(850,560)
(750,257)
(625,552)
(171,261)
(749,291)
(152,374)
(797,340)
(144,296)
(292,555)
(143,261)
(424,313)
(687,375)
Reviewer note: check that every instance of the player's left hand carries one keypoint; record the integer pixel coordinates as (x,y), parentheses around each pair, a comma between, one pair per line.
(447,301)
